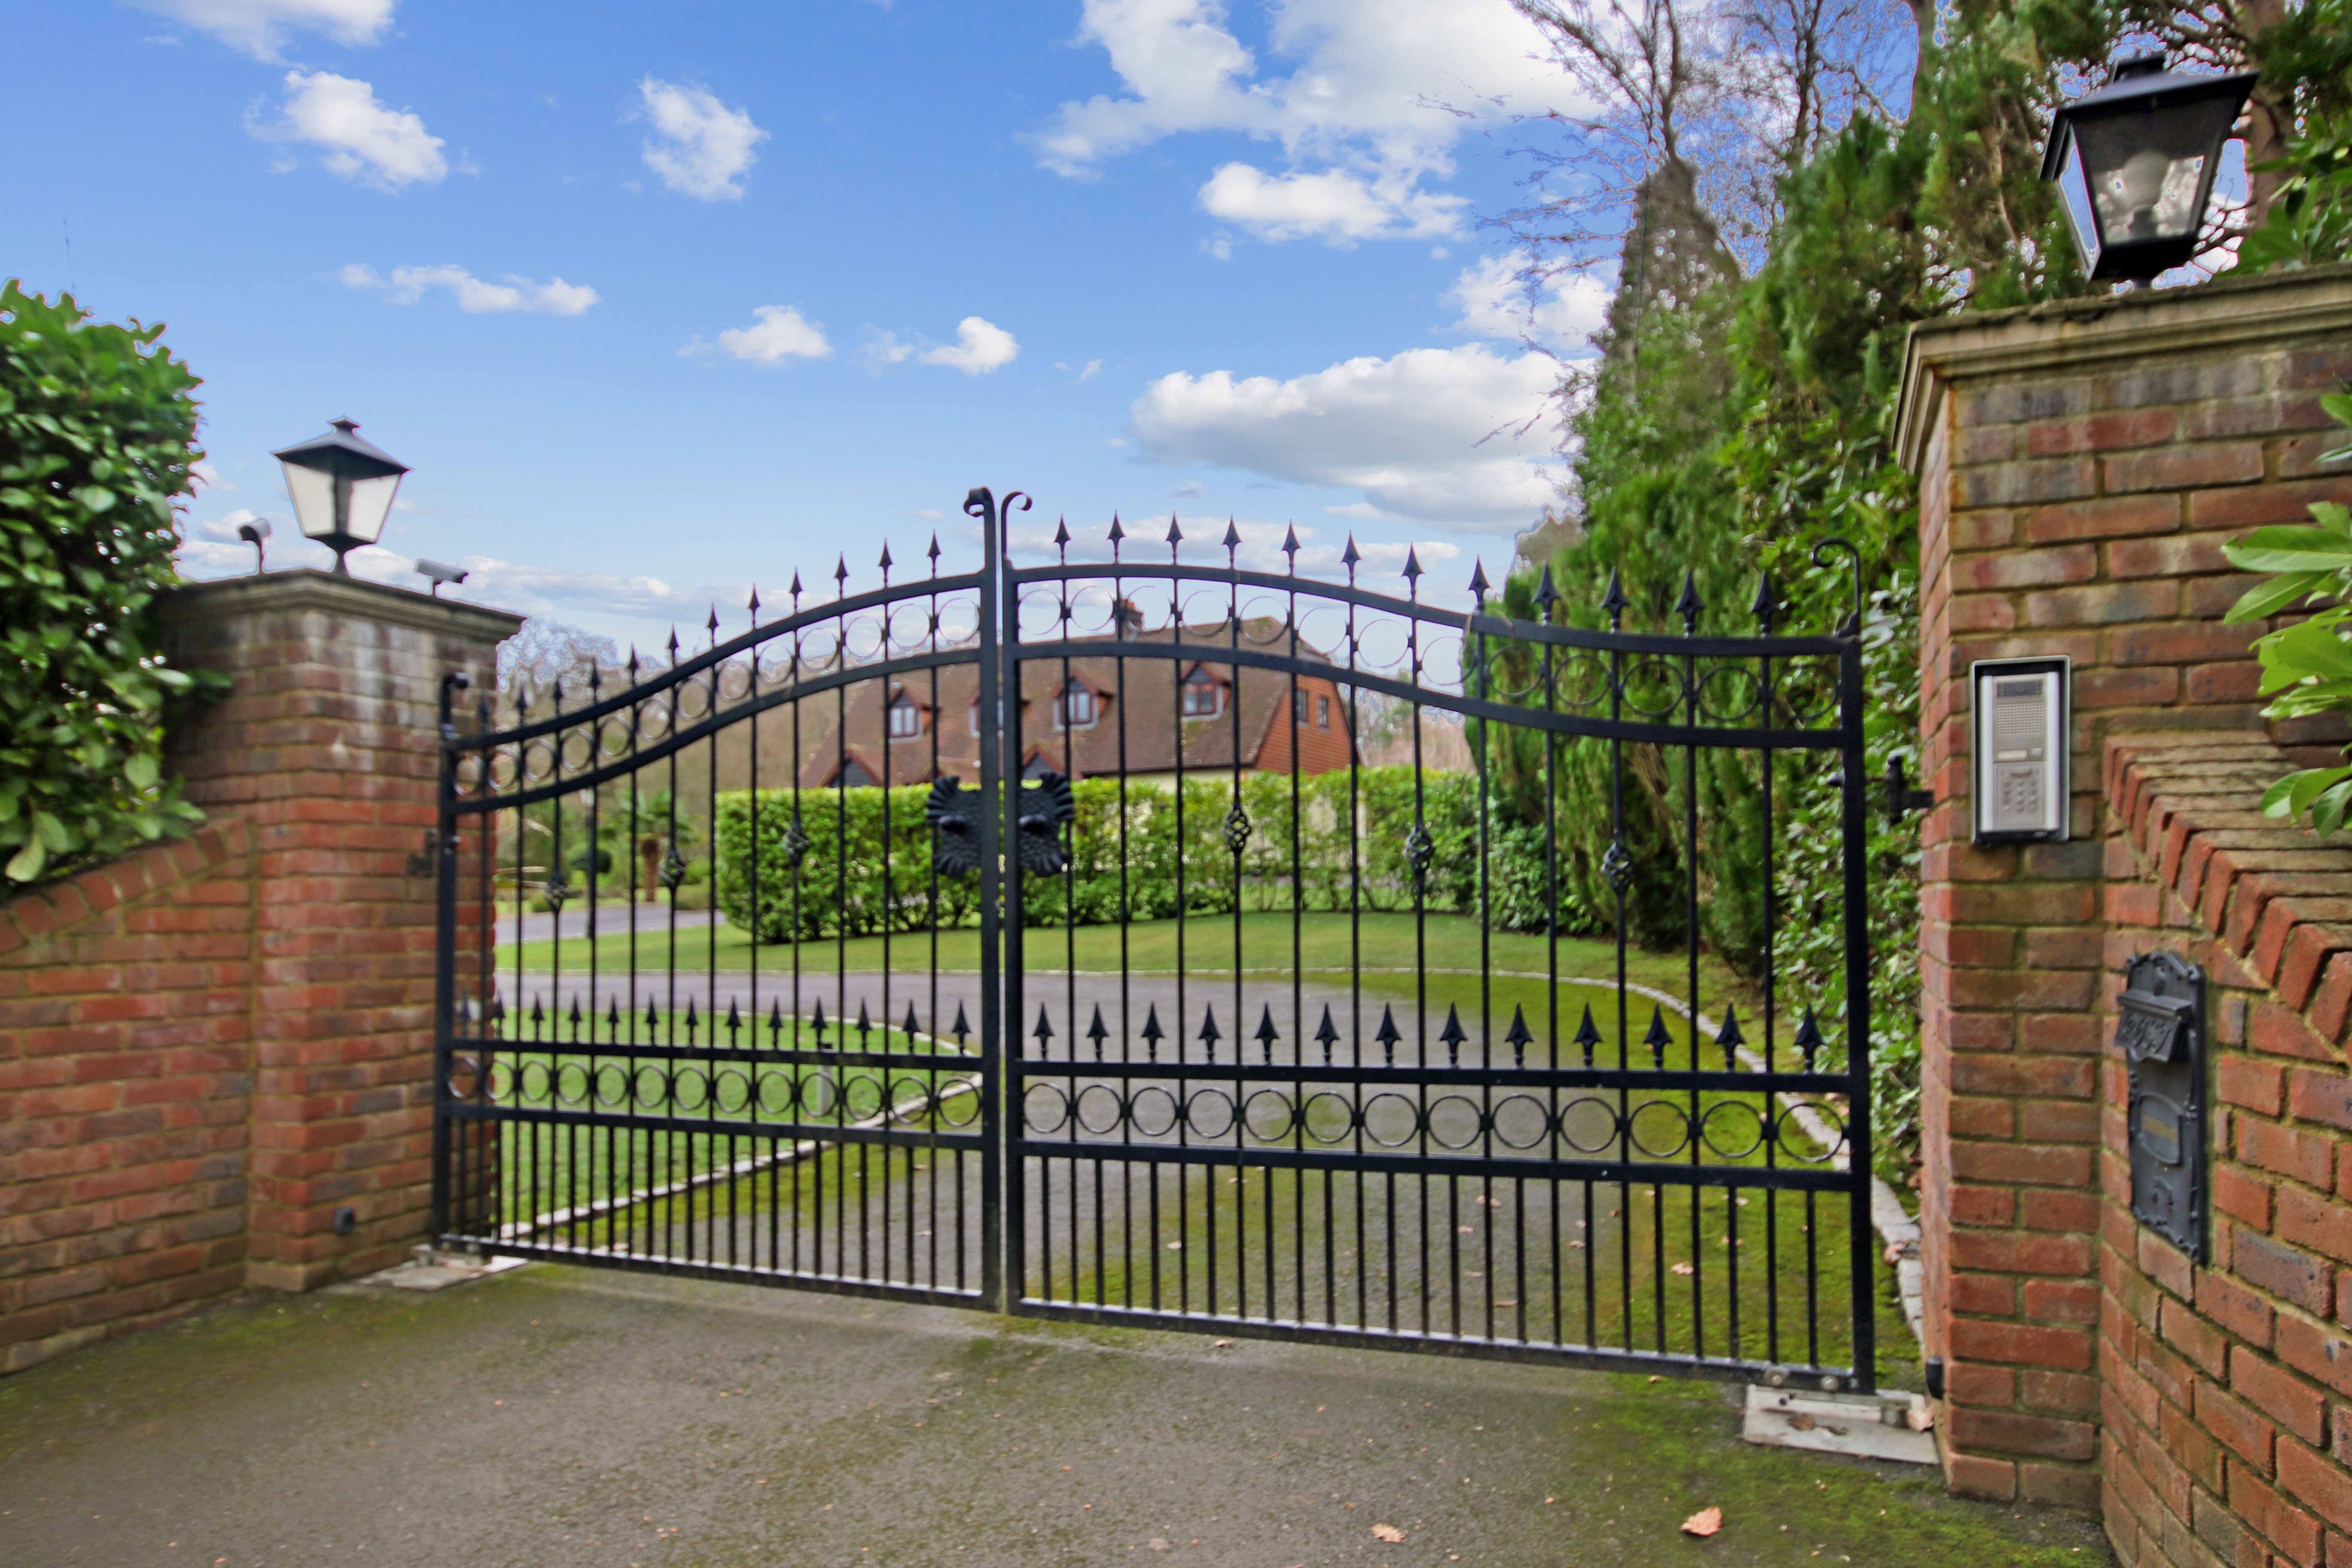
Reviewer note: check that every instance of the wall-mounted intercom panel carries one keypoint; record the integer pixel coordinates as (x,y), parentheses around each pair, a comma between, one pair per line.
(2020,741)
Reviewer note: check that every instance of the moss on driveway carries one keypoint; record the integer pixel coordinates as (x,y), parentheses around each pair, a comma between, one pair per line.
(554,1416)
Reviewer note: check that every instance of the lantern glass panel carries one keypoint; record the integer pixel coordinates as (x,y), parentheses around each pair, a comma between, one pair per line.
(371,504)
(2081,215)
(313,494)
(2149,172)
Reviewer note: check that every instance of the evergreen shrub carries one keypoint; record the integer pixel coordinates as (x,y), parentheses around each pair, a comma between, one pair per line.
(98,426)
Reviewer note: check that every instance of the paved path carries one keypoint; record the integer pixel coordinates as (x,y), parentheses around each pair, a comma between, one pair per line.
(611,918)
(555,1417)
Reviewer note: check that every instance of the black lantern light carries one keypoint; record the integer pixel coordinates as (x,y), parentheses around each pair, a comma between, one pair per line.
(342,489)
(2134,164)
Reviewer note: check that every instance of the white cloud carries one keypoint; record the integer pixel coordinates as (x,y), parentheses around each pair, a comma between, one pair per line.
(407,285)
(1569,309)
(208,476)
(362,140)
(260,28)
(1416,433)
(781,333)
(1359,117)
(980,347)
(704,148)
(1334,204)
(883,348)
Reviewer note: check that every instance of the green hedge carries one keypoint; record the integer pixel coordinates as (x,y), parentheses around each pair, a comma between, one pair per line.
(839,887)
(98,430)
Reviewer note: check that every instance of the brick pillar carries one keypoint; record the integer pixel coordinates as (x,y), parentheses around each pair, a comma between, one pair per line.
(2081,466)
(327,749)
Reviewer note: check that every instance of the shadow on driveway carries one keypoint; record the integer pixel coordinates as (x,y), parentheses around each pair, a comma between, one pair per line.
(555,1415)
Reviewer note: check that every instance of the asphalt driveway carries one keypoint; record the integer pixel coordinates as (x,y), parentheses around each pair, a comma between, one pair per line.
(554,1416)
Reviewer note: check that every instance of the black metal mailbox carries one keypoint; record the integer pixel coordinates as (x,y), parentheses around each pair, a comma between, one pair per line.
(2161,1028)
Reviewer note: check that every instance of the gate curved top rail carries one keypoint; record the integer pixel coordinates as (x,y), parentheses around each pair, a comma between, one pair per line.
(719,1120)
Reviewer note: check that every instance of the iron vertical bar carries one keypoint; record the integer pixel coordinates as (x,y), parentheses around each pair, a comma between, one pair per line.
(1861,1253)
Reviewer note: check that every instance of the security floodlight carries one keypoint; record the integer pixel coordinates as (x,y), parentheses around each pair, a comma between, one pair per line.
(2134,164)
(342,489)
(438,573)
(253,533)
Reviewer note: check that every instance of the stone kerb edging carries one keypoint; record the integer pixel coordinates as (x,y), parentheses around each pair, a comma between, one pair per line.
(2278,898)
(59,908)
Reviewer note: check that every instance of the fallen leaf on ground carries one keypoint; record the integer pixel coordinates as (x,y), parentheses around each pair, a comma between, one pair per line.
(1388,1533)
(1225,1344)
(1705,1521)
(1682,1268)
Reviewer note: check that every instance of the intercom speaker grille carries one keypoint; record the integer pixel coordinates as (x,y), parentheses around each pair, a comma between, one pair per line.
(2020,733)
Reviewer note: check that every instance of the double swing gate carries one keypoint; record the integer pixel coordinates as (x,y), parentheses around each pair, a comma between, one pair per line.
(1129,939)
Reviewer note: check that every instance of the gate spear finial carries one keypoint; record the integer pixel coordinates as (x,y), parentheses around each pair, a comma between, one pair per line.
(1587,1034)
(1728,1036)
(1658,1039)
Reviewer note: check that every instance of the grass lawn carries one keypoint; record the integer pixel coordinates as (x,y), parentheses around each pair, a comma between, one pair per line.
(1383,944)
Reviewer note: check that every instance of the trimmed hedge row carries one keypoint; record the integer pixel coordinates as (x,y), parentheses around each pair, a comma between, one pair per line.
(864,864)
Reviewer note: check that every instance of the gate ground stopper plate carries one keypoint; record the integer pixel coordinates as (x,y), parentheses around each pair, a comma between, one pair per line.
(1851,1424)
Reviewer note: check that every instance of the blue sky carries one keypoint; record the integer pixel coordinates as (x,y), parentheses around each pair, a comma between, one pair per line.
(660,302)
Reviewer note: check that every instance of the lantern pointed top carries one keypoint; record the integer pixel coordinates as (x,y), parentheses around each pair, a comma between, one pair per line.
(346,438)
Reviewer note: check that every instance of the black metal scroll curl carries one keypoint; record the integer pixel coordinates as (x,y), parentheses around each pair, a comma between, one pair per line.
(1834,543)
(954,811)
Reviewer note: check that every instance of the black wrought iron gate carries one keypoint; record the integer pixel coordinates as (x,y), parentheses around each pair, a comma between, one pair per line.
(1246,1006)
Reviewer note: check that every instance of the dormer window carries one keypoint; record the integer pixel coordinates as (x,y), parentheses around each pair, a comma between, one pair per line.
(906,718)
(1203,694)
(1074,708)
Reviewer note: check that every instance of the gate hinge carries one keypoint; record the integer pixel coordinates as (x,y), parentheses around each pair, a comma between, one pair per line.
(1902,800)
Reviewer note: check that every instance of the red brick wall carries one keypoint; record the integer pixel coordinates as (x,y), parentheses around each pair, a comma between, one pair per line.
(2081,466)
(302,945)
(2226,1427)
(125,999)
